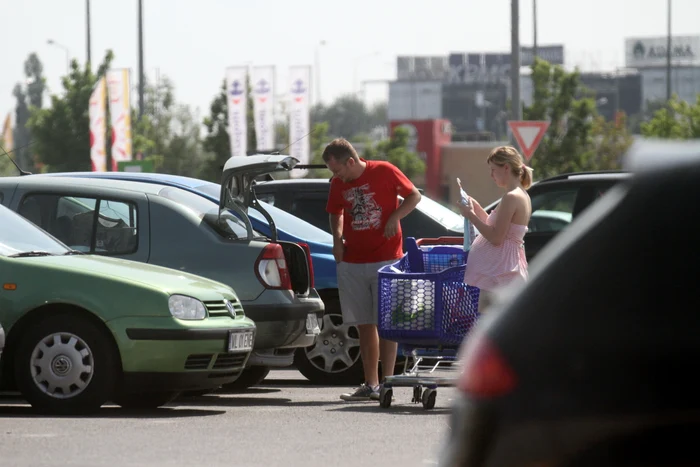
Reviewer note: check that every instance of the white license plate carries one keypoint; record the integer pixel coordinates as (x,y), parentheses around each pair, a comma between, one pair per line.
(240,341)
(312,328)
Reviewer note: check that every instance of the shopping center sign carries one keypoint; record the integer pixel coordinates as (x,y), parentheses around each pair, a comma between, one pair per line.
(652,52)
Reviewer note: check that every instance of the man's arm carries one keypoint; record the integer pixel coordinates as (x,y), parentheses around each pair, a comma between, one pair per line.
(336,221)
(409,204)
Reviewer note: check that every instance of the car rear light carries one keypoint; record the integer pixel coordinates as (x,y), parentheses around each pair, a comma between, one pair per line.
(271,268)
(485,373)
(311,264)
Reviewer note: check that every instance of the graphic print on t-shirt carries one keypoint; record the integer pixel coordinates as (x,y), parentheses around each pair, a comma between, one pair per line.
(366,213)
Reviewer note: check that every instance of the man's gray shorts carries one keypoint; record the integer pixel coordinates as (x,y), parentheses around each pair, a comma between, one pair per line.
(358,288)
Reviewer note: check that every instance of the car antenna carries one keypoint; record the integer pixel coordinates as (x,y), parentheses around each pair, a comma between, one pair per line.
(21,172)
(295,142)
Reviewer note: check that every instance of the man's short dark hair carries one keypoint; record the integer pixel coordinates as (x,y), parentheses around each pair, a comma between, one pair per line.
(341,150)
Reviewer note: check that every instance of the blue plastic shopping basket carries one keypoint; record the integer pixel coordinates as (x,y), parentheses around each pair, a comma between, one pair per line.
(423,300)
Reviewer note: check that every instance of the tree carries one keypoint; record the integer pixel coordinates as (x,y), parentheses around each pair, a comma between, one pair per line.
(28,97)
(395,150)
(349,117)
(168,133)
(678,120)
(62,132)
(577,139)
(217,141)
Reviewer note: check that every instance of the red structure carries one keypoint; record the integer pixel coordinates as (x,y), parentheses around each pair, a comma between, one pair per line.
(426,137)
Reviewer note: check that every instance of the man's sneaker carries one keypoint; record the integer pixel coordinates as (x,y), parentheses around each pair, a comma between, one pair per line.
(375,395)
(363,393)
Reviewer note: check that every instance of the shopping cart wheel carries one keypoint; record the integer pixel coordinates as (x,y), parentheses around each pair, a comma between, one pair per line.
(385,397)
(429,396)
(417,394)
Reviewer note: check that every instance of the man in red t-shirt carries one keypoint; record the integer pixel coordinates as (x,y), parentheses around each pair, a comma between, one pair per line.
(364,214)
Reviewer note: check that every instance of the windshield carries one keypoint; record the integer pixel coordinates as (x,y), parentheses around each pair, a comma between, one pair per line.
(441,214)
(18,236)
(208,211)
(283,220)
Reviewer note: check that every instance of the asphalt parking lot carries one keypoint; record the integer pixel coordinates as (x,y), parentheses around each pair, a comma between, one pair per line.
(283,422)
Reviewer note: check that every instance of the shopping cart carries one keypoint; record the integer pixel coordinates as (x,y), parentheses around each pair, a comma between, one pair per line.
(426,307)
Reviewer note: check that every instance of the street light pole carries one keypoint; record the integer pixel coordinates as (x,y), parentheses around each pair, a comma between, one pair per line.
(87,31)
(318,71)
(141,77)
(53,42)
(534,30)
(668,55)
(516,108)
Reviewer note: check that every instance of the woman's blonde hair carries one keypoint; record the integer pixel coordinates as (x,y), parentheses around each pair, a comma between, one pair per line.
(508,155)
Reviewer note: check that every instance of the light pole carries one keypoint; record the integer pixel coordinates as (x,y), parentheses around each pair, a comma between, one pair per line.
(516,108)
(318,70)
(87,31)
(668,55)
(357,62)
(534,30)
(141,77)
(53,42)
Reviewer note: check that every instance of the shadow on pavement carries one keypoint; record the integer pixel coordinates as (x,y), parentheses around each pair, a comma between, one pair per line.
(413,410)
(302,383)
(242,401)
(23,410)
(249,391)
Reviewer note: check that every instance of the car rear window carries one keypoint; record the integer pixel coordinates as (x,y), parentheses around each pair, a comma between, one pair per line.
(208,211)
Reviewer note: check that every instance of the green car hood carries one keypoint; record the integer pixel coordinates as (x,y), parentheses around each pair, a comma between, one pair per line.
(154,277)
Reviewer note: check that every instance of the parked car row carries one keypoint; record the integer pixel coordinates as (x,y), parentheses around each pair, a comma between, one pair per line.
(296,208)
(133,292)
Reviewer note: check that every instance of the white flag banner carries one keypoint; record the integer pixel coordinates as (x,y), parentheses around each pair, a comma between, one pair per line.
(120,115)
(236,94)
(98,127)
(299,84)
(263,84)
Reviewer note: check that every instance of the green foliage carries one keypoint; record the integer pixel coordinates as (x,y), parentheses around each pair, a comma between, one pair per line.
(678,120)
(168,133)
(29,96)
(395,150)
(348,117)
(62,132)
(577,139)
(217,141)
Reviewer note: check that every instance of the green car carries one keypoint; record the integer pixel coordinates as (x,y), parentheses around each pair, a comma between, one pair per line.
(83,329)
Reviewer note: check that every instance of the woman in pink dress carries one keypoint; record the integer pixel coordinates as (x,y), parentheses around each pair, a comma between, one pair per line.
(497,255)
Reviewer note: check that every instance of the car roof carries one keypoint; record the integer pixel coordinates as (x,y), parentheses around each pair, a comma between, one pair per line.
(137,177)
(123,185)
(590,175)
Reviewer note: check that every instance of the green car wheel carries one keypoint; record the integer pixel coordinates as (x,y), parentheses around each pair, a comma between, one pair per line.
(66,364)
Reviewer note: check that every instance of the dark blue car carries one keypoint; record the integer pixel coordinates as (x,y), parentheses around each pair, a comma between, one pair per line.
(335,358)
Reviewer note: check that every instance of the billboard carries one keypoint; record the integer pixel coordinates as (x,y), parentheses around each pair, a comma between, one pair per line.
(471,67)
(651,52)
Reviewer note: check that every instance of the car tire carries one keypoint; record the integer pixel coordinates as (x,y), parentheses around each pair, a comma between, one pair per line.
(144,400)
(251,376)
(331,361)
(65,364)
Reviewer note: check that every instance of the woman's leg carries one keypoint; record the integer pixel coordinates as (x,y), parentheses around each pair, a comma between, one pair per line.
(485,299)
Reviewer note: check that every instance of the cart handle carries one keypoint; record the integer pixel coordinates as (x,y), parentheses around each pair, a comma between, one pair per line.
(440,241)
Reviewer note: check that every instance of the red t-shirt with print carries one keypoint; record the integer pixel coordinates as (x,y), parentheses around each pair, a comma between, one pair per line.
(366,204)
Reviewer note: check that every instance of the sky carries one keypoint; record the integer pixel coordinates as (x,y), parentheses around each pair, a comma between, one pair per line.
(193,41)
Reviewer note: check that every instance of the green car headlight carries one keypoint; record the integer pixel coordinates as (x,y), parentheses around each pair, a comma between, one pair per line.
(184,307)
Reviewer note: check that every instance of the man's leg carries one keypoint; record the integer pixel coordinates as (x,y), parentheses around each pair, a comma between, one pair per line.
(354,291)
(369,351)
(387,354)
